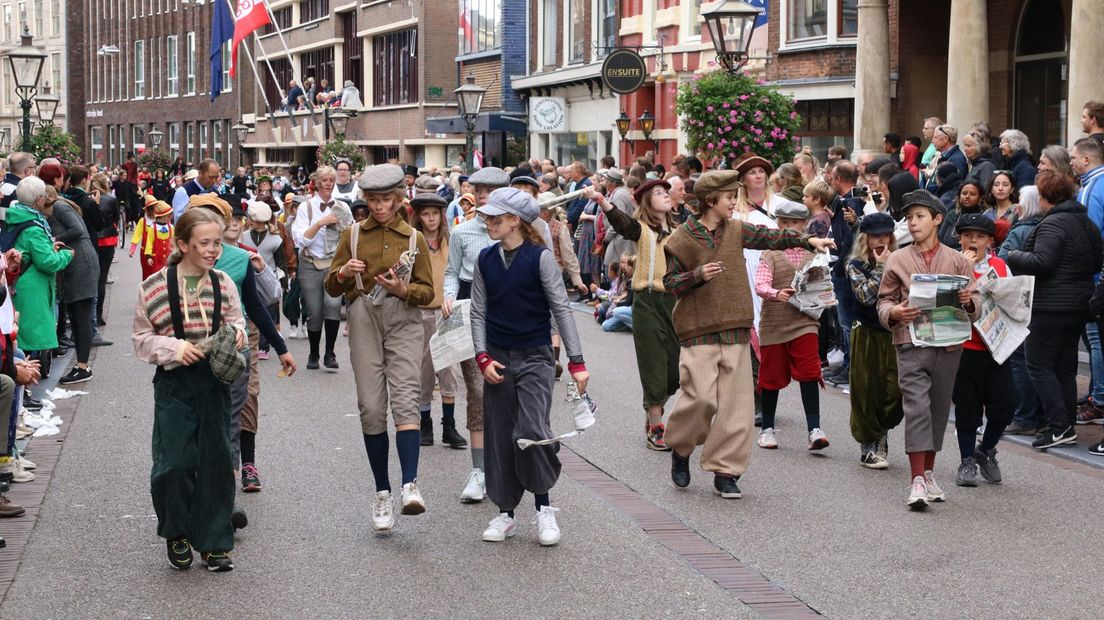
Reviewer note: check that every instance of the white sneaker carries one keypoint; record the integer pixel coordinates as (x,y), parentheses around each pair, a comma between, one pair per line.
(412,502)
(767,439)
(918,494)
(383,514)
(817,439)
(27,465)
(935,494)
(476,487)
(18,473)
(500,528)
(547,527)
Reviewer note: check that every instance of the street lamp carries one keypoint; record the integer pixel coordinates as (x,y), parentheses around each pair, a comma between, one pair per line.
(647,124)
(730,23)
(470,99)
(25,63)
(623,122)
(241,132)
(339,120)
(47,105)
(155,137)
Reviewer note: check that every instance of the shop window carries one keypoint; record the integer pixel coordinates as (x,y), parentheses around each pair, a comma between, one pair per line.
(819,21)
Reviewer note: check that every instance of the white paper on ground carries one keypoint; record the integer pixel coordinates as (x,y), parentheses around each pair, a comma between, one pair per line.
(62,393)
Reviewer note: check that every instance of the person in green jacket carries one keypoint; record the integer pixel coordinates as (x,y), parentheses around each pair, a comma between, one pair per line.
(35,295)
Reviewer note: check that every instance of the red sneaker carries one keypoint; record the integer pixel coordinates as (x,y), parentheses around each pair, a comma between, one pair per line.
(655,438)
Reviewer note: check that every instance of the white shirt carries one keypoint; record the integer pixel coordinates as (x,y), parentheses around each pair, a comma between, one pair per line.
(309,212)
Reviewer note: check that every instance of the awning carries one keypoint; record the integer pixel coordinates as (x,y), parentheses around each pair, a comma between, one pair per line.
(488,122)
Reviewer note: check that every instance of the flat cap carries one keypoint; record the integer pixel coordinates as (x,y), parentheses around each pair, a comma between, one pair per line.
(646,188)
(490,176)
(789,210)
(924,198)
(716,181)
(976,221)
(258,211)
(422,201)
(212,202)
(526,179)
(510,200)
(877,224)
(614,174)
(381,179)
(426,184)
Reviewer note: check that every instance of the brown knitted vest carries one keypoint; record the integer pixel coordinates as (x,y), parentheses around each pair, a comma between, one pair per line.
(724,302)
(780,321)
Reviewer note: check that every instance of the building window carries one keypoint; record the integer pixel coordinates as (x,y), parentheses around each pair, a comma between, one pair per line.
(576,31)
(227,81)
(281,18)
(110,143)
(7,23)
(95,139)
(691,25)
(318,64)
(190,51)
(282,68)
(396,70)
(608,25)
(55,17)
(203,146)
(310,10)
(479,28)
(549,23)
(218,144)
(138,138)
(139,69)
(189,137)
(820,21)
(40,29)
(55,72)
(174,140)
(172,66)
(353,50)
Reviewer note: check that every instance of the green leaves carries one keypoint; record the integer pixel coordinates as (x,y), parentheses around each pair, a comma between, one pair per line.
(51,141)
(338,147)
(152,159)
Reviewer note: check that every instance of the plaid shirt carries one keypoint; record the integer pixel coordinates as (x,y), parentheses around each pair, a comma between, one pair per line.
(764,277)
(865,288)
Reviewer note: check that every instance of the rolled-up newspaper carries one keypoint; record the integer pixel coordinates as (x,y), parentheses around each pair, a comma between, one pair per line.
(582,410)
(402,269)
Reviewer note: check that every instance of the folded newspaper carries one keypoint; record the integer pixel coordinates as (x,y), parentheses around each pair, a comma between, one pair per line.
(452,342)
(402,270)
(582,412)
(812,285)
(1005,312)
(942,321)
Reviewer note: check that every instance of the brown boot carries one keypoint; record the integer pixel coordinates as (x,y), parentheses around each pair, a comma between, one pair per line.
(8,509)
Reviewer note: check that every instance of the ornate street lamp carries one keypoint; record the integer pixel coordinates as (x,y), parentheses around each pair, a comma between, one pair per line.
(647,124)
(730,23)
(47,105)
(470,98)
(339,119)
(25,63)
(623,122)
(155,137)
(241,132)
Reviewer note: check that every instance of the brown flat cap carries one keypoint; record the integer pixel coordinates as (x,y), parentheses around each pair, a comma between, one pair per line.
(716,181)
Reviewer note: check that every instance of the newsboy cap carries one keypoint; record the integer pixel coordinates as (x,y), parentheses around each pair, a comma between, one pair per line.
(490,176)
(510,200)
(790,210)
(716,181)
(877,224)
(381,179)
(924,198)
(426,184)
(976,221)
(424,200)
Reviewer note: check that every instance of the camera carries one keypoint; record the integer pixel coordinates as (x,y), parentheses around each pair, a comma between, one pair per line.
(876,197)
(860,192)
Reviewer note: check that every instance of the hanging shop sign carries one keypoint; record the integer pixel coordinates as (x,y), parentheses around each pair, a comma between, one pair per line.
(547,114)
(624,71)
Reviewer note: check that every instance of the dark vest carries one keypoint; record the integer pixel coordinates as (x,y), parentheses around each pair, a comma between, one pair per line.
(867,316)
(192,188)
(517,312)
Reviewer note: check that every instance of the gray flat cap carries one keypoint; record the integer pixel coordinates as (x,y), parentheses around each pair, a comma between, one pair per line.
(426,184)
(381,179)
(513,201)
(924,198)
(528,180)
(792,210)
(491,176)
(615,175)
(423,200)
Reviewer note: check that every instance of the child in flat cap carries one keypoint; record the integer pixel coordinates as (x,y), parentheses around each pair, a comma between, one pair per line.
(926,374)
(981,385)
(713,319)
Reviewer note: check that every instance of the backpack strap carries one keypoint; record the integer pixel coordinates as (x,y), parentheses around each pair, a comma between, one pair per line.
(216,288)
(174,302)
(354,234)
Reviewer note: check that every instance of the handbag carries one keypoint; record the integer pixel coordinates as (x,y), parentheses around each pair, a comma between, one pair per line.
(227,364)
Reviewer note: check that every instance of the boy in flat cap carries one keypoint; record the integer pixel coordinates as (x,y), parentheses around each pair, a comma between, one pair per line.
(713,319)
(926,374)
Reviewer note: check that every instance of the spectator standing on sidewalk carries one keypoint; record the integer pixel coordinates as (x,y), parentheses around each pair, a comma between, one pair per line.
(1087,161)
(1016,149)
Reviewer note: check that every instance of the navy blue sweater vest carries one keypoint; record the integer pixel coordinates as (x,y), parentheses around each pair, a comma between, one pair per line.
(517,312)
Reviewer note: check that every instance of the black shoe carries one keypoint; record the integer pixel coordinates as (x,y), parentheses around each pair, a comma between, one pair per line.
(680,470)
(1049,439)
(61,351)
(66,343)
(3,543)
(218,561)
(180,553)
(1097,450)
(330,362)
(427,433)
(30,403)
(726,486)
(312,362)
(77,375)
(238,518)
(452,439)
(100,341)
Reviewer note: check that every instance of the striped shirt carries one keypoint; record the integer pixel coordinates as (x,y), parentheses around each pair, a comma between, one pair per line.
(466,241)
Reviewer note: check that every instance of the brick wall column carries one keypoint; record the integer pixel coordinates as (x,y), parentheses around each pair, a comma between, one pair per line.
(968,66)
(1086,50)
(872,76)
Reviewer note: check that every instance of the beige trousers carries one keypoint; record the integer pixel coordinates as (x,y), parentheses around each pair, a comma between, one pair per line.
(385,349)
(447,377)
(717,407)
(251,412)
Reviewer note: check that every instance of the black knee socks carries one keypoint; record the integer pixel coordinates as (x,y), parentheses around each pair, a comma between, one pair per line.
(314,338)
(810,400)
(408,444)
(769,400)
(248,447)
(376,447)
(332,327)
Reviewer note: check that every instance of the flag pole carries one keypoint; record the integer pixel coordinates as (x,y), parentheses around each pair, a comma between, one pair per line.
(257,76)
(291,61)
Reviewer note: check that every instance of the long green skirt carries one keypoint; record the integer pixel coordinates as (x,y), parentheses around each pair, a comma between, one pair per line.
(192,481)
(657,346)
(875,394)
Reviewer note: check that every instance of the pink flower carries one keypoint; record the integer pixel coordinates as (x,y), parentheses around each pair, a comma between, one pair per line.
(793,114)
(726,105)
(744,97)
(769,145)
(720,131)
(709,146)
(709,108)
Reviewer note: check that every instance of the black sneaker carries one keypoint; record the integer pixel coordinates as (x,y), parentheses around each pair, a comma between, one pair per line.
(218,561)
(1097,450)
(680,470)
(427,433)
(1049,439)
(180,553)
(30,403)
(452,439)
(250,478)
(100,341)
(312,362)
(987,464)
(77,375)
(238,518)
(726,486)
(330,362)
(66,343)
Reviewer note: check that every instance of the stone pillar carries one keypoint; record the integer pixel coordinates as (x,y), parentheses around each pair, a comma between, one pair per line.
(968,65)
(872,76)
(1086,50)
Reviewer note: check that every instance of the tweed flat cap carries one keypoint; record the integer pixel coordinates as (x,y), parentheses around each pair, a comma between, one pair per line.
(381,179)
(426,184)
(212,202)
(526,179)
(615,175)
(491,176)
(646,187)
(424,200)
(791,210)
(924,198)
(258,211)
(716,181)
(510,200)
